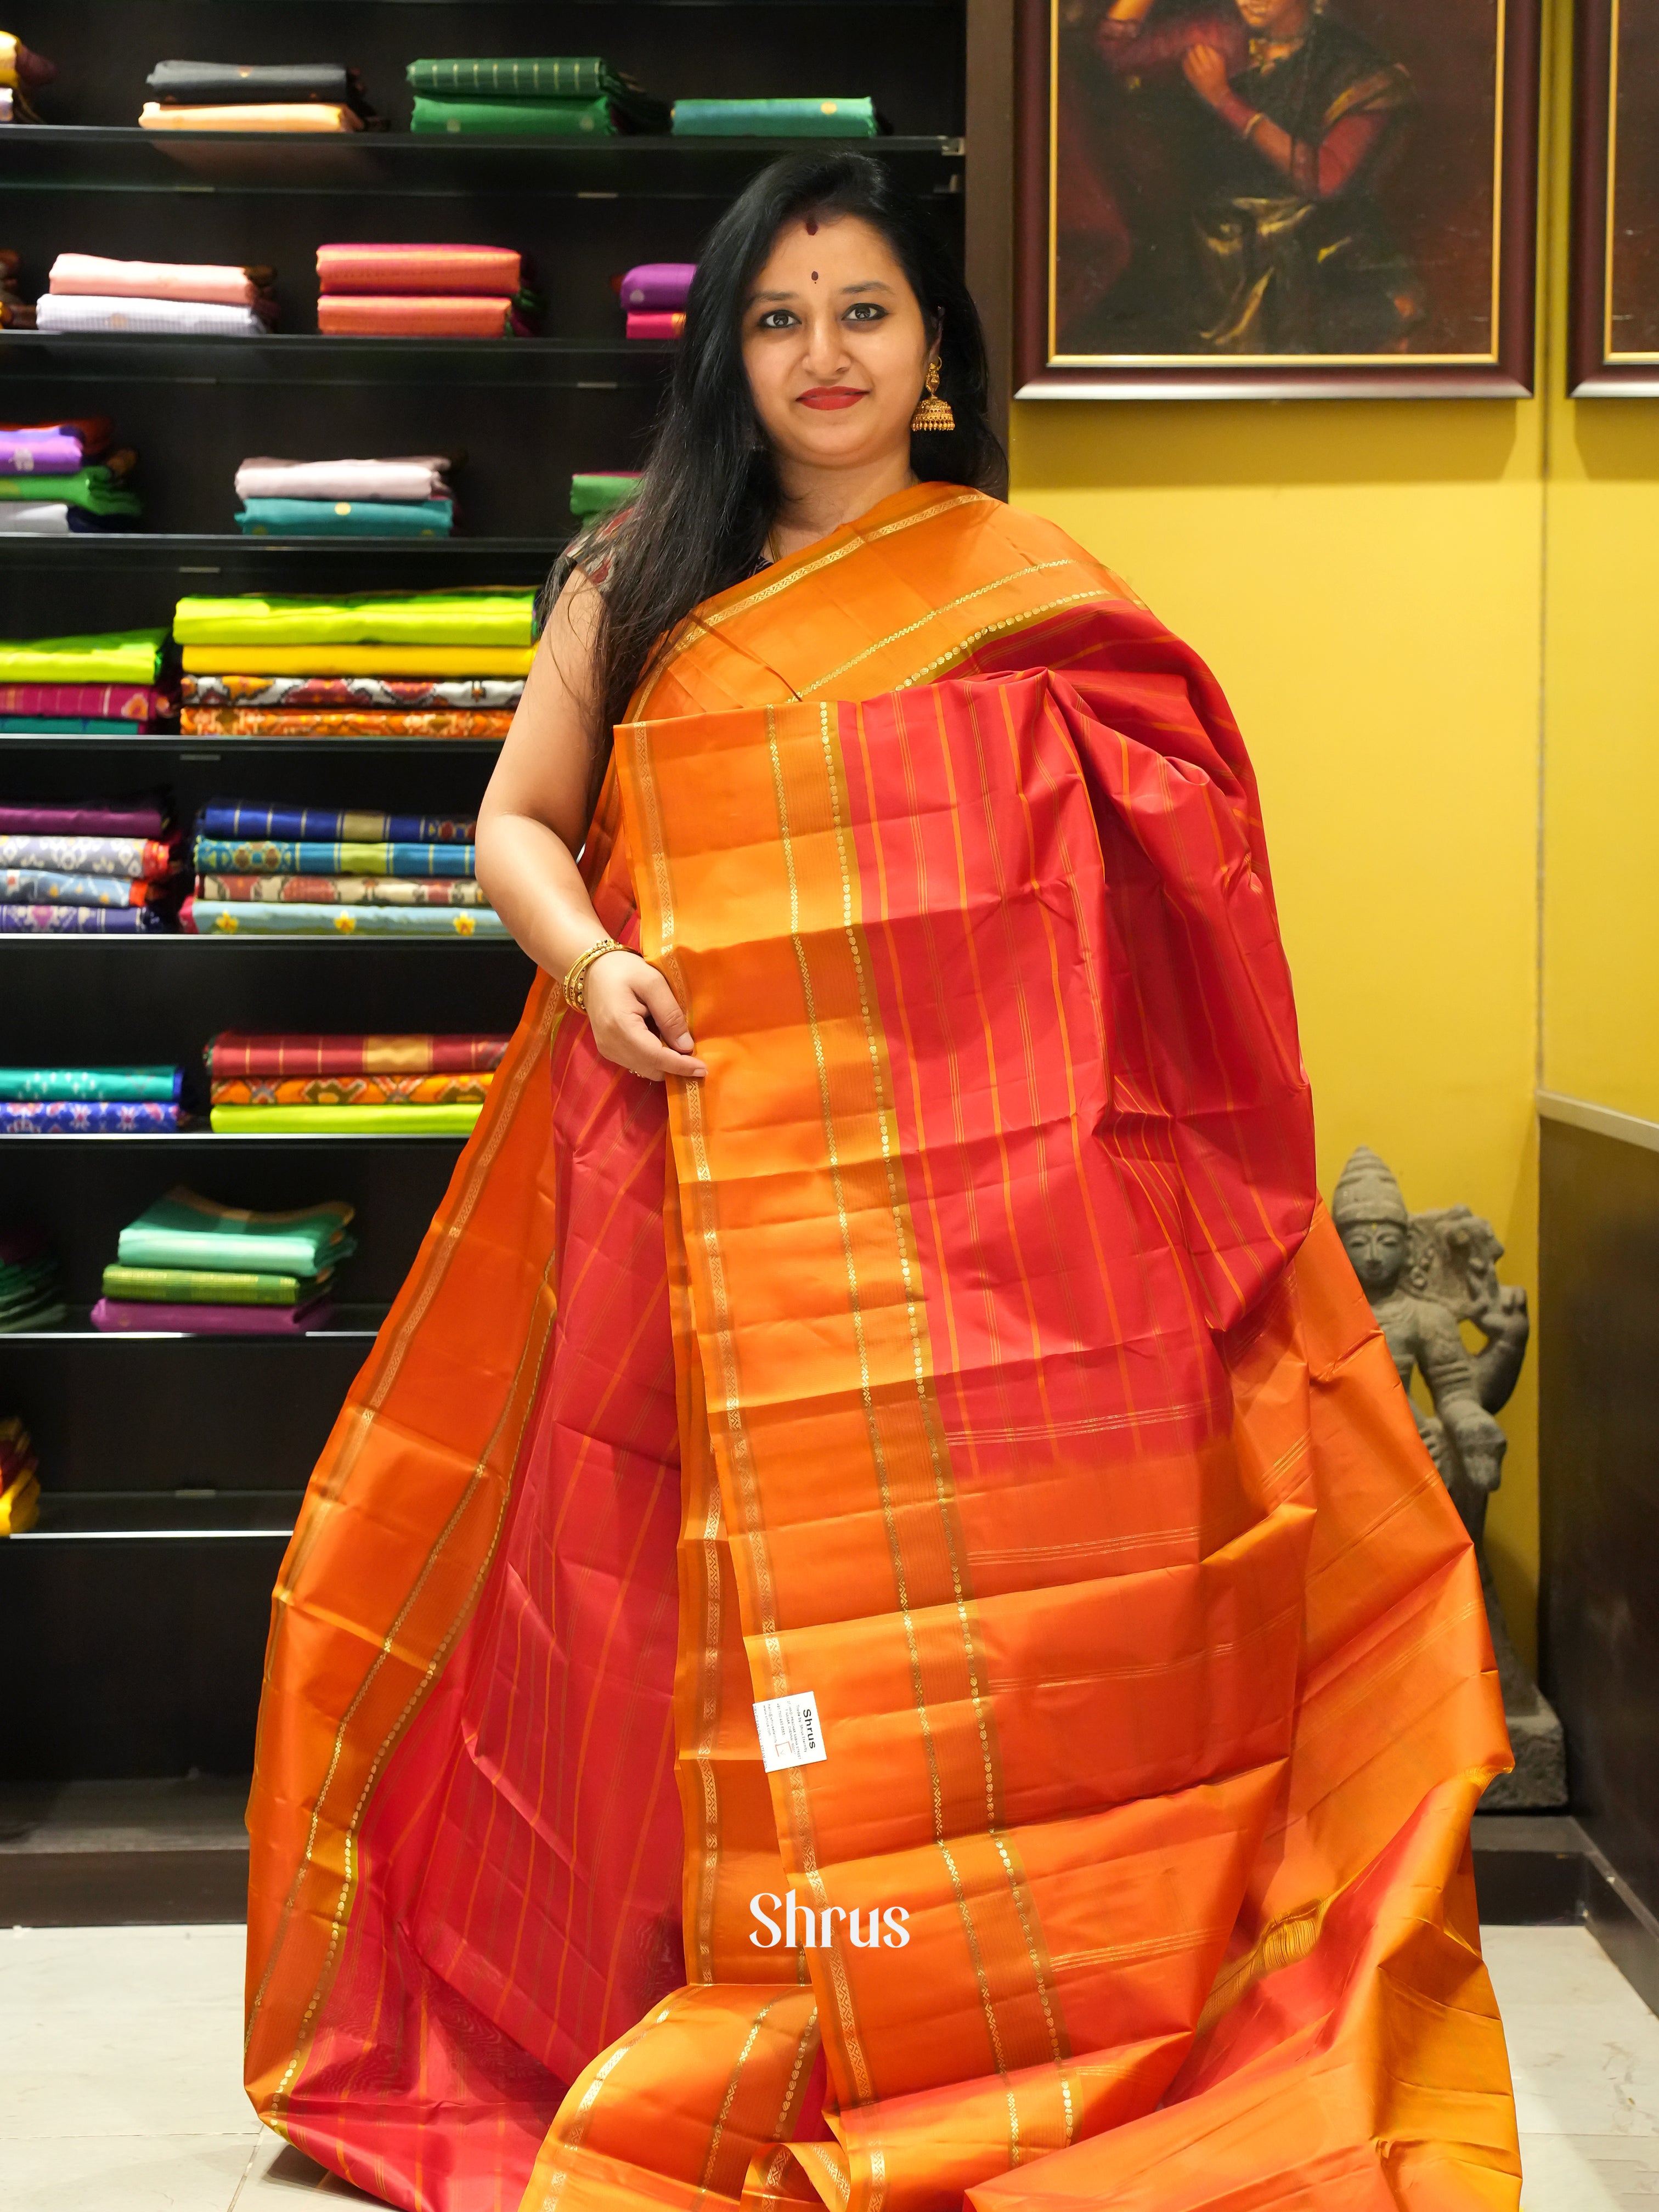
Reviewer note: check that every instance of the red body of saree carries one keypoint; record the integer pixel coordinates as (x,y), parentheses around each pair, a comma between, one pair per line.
(971,1352)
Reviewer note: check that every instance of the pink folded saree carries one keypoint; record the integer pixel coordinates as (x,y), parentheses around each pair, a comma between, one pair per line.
(492,269)
(159,280)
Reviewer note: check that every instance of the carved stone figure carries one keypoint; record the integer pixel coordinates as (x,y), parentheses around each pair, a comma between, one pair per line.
(1424,1274)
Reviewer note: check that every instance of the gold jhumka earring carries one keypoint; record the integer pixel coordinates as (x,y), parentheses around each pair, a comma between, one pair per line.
(933,413)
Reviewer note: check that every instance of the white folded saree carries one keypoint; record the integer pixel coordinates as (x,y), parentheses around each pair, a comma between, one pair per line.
(409,479)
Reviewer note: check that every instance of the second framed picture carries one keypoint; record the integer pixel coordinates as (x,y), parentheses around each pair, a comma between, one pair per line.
(1276,198)
(1614,336)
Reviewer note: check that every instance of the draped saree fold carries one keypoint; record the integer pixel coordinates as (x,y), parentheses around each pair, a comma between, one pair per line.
(969,1352)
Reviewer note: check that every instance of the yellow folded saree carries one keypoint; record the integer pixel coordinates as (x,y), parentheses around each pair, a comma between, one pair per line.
(962,1394)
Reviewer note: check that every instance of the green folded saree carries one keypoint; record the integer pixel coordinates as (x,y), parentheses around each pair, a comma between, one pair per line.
(509,118)
(93,488)
(131,656)
(95,1082)
(184,1230)
(481,617)
(346,1121)
(575,78)
(774,118)
(210,1286)
(597,493)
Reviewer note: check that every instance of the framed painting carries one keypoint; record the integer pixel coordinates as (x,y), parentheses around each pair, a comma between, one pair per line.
(1276,198)
(1614,335)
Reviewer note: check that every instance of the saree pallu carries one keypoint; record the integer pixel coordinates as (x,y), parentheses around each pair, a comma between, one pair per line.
(969,1361)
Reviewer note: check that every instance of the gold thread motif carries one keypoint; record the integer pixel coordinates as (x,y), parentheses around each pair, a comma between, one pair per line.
(855,1307)
(977,638)
(729,2098)
(936,614)
(699,628)
(582,2118)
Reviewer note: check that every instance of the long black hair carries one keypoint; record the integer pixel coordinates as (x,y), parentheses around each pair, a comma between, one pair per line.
(710,492)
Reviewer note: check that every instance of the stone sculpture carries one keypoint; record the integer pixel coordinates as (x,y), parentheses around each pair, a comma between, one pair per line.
(1424,1274)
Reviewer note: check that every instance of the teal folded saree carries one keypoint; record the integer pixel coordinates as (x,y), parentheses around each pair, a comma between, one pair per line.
(774,118)
(346,517)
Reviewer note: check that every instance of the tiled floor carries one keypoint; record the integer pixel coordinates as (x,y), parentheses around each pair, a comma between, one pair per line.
(124,2093)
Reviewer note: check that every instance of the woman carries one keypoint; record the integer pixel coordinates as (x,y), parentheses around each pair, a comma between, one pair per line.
(884,1316)
(1281,246)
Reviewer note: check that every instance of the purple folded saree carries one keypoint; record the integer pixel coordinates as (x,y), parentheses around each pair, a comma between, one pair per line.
(211,1320)
(34,1117)
(114,818)
(40,452)
(657,286)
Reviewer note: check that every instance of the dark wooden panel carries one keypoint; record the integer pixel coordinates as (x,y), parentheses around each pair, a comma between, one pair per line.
(1599,1443)
(133,1655)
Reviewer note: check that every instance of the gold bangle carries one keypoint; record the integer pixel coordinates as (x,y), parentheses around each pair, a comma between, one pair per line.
(575,982)
(1258,117)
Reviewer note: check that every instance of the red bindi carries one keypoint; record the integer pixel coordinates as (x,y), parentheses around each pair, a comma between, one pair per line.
(811,225)
(815,276)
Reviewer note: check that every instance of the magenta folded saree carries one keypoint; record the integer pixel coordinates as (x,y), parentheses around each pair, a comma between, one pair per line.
(115,818)
(40,454)
(118,1313)
(123,702)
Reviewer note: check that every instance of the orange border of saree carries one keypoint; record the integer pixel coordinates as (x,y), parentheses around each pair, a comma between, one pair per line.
(1149,1656)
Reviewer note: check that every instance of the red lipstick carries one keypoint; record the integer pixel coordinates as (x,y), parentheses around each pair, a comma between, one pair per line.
(831,396)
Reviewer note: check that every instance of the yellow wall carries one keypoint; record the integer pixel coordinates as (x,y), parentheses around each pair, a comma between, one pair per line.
(1368,581)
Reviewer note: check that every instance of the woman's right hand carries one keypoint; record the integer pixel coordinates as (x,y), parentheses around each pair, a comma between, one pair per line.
(636,1020)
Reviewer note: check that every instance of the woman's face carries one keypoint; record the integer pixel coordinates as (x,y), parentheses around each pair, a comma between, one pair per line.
(834,345)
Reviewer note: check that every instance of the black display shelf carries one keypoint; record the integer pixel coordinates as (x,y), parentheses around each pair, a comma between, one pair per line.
(197,1514)
(121,158)
(315,357)
(166,746)
(357,1323)
(427,560)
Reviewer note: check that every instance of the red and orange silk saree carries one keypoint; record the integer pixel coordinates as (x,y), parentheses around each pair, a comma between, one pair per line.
(971,1352)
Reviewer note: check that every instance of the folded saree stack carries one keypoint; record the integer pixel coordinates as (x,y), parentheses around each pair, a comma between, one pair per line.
(98,686)
(89,869)
(37,1100)
(408,497)
(20,1483)
(178,299)
(21,74)
(190,1264)
(653,297)
(809,117)
(305,97)
(420,1086)
(59,477)
(417,664)
(564,96)
(31,1292)
(423,291)
(334,872)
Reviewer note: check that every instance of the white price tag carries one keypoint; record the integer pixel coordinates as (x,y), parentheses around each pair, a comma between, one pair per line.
(790,1735)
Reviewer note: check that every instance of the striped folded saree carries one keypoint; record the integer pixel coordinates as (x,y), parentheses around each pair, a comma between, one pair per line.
(968,1354)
